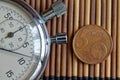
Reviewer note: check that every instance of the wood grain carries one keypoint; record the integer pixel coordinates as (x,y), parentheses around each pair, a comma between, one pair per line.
(43,6)
(53,48)
(114,36)
(64,46)
(28,1)
(92,21)
(58,51)
(76,27)
(32,2)
(108,61)
(81,24)
(103,24)
(92,12)
(70,35)
(87,22)
(98,22)
(118,42)
(37,5)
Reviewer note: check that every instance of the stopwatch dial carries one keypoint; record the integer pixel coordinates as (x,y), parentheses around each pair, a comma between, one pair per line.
(20,42)
(13,34)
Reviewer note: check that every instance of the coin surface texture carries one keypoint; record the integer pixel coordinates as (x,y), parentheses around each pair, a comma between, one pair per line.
(92,44)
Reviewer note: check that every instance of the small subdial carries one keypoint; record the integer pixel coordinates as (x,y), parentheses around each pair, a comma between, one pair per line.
(13,34)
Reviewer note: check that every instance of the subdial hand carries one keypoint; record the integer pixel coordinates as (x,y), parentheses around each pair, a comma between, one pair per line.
(11,34)
(19,30)
(15,52)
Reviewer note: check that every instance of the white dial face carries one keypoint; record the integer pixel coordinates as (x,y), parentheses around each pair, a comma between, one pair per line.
(17,55)
(13,34)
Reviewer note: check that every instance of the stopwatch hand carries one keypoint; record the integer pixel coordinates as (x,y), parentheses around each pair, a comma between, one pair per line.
(15,52)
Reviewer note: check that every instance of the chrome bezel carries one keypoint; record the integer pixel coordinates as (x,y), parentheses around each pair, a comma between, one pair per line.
(45,39)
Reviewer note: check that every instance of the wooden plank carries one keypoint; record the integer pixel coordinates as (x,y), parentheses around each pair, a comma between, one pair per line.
(70,35)
(64,46)
(108,61)
(118,42)
(98,22)
(76,27)
(53,48)
(58,51)
(87,22)
(32,3)
(28,1)
(81,24)
(92,21)
(103,24)
(114,36)
(37,5)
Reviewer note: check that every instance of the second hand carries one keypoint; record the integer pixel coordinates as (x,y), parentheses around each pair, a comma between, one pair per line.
(15,52)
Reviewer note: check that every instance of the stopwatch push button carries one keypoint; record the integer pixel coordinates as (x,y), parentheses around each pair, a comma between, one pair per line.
(57,9)
(59,38)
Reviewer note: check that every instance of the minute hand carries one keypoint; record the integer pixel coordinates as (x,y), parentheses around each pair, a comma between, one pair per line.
(15,52)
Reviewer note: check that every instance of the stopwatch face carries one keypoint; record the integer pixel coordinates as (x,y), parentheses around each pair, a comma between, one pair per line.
(24,41)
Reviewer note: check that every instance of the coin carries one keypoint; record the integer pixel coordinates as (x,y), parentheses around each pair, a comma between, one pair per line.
(92,44)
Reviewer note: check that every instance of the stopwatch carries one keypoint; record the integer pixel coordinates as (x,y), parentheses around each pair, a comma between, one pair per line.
(24,40)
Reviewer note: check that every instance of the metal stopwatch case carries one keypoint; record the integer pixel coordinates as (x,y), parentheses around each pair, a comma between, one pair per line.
(24,40)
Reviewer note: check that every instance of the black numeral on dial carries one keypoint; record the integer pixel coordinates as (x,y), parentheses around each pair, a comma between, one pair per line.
(2,30)
(25,45)
(9,73)
(21,61)
(8,16)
